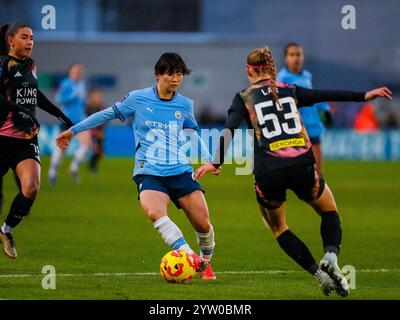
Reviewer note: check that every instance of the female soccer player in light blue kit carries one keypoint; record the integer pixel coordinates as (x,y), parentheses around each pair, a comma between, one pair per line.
(293,73)
(162,172)
(71,95)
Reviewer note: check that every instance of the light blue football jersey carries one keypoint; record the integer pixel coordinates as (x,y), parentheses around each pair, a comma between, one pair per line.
(158,128)
(71,95)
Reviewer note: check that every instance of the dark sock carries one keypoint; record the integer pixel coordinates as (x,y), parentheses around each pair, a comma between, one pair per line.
(298,251)
(1,189)
(331,231)
(19,209)
(94,160)
(17,181)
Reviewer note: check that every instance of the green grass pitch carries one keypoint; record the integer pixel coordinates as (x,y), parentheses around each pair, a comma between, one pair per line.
(103,247)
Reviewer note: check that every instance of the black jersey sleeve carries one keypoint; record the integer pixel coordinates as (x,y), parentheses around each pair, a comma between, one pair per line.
(236,113)
(45,104)
(307,97)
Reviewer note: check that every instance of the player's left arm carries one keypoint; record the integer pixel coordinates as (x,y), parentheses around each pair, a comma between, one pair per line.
(308,97)
(45,104)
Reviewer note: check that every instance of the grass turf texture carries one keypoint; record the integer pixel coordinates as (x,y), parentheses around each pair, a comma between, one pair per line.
(98,227)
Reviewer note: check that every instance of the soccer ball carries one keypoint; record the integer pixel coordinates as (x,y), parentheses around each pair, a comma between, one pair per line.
(177,267)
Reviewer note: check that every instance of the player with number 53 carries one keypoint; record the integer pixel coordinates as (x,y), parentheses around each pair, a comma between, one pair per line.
(283,159)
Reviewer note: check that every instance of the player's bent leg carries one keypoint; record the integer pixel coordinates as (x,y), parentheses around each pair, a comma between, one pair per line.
(195,207)
(28,172)
(324,201)
(331,233)
(154,204)
(294,247)
(80,154)
(55,161)
(317,151)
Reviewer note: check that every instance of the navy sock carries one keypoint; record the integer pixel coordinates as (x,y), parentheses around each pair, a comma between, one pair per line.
(331,231)
(298,251)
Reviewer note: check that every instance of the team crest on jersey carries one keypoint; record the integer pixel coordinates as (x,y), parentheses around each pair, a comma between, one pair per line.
(178,114)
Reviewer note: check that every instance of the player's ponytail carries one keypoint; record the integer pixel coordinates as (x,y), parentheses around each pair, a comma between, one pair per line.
(3,40)
(262,62)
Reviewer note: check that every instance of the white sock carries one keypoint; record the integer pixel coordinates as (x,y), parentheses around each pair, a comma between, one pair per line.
(6,228)
(79,157)
(206,243)
(56,157)
(171,234)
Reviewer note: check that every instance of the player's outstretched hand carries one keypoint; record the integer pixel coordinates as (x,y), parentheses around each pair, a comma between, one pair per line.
(379,92)
(64,138)
(201,171)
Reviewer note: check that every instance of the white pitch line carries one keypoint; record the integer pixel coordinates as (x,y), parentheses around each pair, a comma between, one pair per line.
(128,274)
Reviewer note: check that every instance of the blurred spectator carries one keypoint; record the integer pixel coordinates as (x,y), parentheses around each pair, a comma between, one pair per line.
(207,115)
(366,120)
(71,95)
(94,104)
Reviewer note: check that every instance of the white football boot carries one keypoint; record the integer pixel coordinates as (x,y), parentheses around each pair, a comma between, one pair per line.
(329,264)
(325,282)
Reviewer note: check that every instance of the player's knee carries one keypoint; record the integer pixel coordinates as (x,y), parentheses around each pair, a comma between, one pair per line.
(277,230)
(155,214)
(30,189)
(204,226)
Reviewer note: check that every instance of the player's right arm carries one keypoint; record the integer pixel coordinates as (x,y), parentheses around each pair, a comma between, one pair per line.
(121,110)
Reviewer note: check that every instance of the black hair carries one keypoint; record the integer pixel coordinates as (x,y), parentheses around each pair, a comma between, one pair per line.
(171,62)
(9,31)
(289,45)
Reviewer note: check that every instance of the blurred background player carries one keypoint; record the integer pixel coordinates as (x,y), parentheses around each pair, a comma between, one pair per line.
(71,94)
(19,97)
(283,159)
(294,73)
(95,104)
(163,112)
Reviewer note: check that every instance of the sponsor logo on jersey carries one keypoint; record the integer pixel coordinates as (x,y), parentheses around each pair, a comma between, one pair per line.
(178,114)
(149,109)
(172,125)
(282,144)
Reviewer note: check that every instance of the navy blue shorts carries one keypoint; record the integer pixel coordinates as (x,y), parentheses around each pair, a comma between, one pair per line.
(315,140)
(175,186)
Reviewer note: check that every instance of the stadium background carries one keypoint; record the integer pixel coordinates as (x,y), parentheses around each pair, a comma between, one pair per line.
(119,41)
(94,233)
